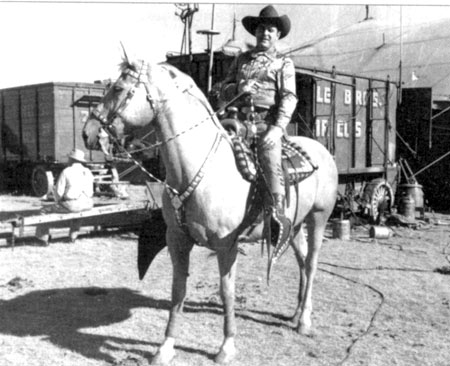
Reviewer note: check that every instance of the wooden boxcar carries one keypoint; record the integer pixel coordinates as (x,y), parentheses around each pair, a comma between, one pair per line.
(39,125)
(353,116)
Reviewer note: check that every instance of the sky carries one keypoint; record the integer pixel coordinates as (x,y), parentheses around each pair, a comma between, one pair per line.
(81,41)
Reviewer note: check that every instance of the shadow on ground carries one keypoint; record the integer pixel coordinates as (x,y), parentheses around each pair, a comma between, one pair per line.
(59,316)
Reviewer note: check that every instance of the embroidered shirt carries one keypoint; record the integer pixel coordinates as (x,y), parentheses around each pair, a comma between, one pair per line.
(276,76)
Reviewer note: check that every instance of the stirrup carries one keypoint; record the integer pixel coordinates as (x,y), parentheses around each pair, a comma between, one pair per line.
(280,233)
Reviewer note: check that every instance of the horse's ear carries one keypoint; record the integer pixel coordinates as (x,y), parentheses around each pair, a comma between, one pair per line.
(125,56)
(150,71)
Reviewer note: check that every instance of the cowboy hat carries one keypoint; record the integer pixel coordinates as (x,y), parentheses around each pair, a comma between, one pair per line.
(268,15)
(77,155)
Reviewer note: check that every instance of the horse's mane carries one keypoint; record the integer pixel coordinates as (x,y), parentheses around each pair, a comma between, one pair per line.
(130,65)
(138,65)
(166,75)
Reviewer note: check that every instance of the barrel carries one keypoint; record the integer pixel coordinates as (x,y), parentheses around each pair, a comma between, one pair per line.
(415,191)
(341,229)
(406,207)
(379,232)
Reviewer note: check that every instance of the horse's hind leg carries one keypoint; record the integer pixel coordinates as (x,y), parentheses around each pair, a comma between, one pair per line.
(179,249)
(227,268)
(316,222)
(300,250)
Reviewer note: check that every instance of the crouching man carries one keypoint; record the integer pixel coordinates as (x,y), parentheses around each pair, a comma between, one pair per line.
(74,192)
(74,188)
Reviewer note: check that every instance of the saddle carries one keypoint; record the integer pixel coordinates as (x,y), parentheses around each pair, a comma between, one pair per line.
(297,165)
(296,162)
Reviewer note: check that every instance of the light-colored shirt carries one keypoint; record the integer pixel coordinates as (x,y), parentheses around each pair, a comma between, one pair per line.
(75,186)
(276,75)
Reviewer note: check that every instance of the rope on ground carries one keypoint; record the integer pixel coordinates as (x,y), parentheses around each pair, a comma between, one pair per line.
(377,268)
(350,348)
(447,254)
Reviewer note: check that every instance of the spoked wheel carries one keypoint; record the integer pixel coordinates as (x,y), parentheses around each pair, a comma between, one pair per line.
(380,198)
(41,181)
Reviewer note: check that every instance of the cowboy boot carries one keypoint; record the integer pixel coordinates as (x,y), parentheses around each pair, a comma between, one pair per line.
(280,226)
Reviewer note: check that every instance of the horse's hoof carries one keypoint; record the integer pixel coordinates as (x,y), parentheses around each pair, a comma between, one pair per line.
(227,351)
(226,355)
(223,358)
(305,330)
(162,358)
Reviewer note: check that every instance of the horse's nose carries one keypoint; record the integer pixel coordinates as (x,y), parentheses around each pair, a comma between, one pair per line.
(87,141)
(84,135)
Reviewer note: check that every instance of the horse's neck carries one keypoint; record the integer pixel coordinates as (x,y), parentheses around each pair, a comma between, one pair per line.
(189,143)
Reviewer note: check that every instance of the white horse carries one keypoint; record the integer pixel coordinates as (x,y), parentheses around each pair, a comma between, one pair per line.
(206,197)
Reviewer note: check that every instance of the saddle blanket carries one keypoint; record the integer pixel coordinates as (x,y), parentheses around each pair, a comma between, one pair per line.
(297,164)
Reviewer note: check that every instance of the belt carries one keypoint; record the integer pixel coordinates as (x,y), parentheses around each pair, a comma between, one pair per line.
(68,199)
(260,110)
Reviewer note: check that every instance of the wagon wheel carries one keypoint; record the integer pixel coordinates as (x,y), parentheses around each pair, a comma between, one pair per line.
(380,198)
(41,181)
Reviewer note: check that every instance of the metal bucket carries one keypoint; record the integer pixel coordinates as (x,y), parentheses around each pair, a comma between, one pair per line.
(341,229)
(379,232)
(415,191)
(407,207)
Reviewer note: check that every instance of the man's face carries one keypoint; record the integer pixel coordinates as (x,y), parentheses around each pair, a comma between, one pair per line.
(266,36)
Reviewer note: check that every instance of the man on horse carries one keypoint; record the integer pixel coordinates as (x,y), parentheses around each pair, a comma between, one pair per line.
(270,80)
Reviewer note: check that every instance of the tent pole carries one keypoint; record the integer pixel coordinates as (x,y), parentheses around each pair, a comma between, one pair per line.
(400,81)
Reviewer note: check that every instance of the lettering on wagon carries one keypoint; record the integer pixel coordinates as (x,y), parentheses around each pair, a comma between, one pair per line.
(342,128)
(323,96)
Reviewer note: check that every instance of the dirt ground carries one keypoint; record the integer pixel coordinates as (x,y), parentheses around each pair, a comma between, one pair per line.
(377,302)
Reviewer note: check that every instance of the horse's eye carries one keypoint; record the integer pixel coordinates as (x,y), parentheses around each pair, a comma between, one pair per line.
(117,88)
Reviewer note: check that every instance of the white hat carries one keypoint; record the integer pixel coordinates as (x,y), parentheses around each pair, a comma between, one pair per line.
(77,155)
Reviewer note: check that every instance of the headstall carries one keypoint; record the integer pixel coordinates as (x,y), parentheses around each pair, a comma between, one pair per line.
(177,199)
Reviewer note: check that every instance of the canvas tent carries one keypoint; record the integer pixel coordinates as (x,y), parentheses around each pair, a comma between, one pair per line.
(376,48)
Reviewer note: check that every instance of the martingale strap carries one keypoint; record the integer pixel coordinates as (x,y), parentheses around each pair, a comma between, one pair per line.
(178,199)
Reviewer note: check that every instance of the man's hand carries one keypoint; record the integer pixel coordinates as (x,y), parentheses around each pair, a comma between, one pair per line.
(274,134)
(249,86)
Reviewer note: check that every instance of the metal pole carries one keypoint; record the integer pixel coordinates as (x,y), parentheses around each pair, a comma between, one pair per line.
(441,112)
(210,67)
(209,35)
(211,52)
(400,66)
(429,165)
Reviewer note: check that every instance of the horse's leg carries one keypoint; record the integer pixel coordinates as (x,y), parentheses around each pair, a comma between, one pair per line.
(179,249)
(300,250)
(227,268)
(316,222)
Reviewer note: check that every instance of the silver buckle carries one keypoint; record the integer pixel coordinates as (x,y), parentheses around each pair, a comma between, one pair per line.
(177,202)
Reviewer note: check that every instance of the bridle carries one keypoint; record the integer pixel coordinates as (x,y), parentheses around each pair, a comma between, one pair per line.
(107,120)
